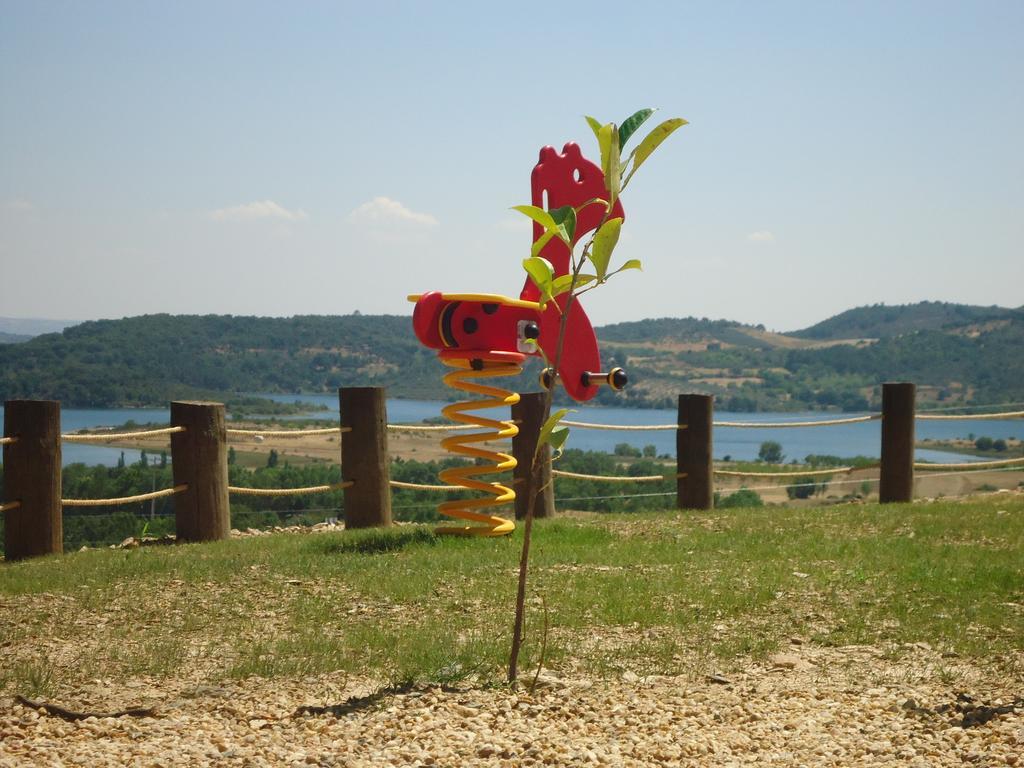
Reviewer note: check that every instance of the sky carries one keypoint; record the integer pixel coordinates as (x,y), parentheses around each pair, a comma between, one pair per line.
(277,159)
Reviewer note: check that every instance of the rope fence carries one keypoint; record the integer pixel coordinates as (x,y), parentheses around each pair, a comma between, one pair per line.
(429,427)
(106,437)
(970,464)
(423,487)
(802,485)
(289,491)
(965,407)
(35,429)
(617,478)
(623,427)
(775,487)
(791,473)
(288,432)
(969,416)
(124,499)
(792,424)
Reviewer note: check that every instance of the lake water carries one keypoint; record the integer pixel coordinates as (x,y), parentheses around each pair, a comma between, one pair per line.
(846,440)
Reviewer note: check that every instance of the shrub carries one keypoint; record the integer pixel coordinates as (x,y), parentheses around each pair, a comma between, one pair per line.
(744,497)
(805,487)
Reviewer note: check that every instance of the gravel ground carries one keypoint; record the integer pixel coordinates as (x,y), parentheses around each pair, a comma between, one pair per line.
(809,706)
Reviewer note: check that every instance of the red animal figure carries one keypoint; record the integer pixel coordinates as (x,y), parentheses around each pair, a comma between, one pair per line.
(492,327)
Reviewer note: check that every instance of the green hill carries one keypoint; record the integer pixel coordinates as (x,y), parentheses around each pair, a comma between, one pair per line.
(881,322)
(151,359)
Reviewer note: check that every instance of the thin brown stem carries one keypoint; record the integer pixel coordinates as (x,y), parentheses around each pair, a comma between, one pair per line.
(535,466)
(543,644)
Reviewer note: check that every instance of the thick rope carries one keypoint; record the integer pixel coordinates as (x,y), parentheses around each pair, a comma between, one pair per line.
(801,485)
(289,491)
(949,408)
(8,440)
(429,427)
(970,416)
(789,424)
(123,499)
(622,427)
(108,436)
(8,505)
(617,478)
(288,432)
(805,473)
(831,484)
(419,487)
(970,464)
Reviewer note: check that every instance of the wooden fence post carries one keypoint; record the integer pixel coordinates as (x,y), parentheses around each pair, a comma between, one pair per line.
(32,466)
(364,456)
(694,487)
(529,413)
(199,459)
(896,478)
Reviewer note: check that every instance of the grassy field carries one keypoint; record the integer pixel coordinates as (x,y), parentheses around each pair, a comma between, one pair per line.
(654,593)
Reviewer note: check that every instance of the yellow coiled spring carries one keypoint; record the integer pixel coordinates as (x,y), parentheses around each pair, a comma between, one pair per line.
(464,444)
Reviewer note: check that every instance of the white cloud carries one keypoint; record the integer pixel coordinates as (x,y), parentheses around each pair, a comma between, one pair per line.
(761,236)
(384,210)
(263,209)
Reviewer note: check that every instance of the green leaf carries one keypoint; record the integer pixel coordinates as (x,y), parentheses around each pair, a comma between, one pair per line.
(610,161)
(604,243)
(595,126)
(565,218)
(557,439)
(539,215)
(548,434)
(542,273)
(631,264)
(604,142)
(563,283)
(541,241)
(629,126)
(653,140)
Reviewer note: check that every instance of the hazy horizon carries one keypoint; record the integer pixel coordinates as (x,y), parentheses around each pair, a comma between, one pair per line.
(6,323)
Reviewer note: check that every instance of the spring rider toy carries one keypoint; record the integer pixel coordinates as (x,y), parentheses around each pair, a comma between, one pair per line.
(483,335)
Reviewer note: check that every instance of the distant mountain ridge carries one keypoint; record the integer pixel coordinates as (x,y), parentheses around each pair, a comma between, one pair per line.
(33,326)
(12,338)
(880,321)
(960,356)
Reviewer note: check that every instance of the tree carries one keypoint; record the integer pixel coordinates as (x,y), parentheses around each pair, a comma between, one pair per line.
(650,451)
(232,458)
(143,460)
(771,452)
(596,254)
(272,459)
(627,450)
(984,444)
(163,459)
(999,445)
(803,488)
